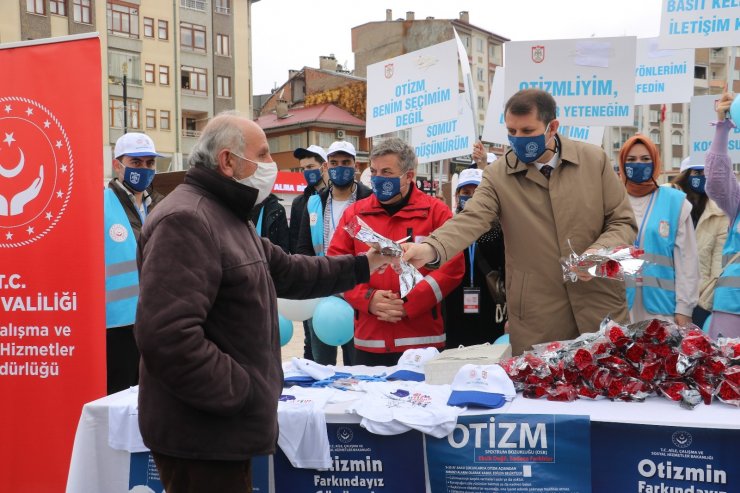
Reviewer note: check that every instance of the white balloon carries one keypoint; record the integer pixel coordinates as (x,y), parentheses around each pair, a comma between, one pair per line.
(297,310)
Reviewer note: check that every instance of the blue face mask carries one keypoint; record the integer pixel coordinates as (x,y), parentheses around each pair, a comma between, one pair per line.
(461,201)
(528,149)
(697,183)
(638,172)
(342,176)
(312,176)
(138,178)
(385,188)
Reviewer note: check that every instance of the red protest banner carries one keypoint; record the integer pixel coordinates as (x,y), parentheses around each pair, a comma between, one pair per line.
(52,306)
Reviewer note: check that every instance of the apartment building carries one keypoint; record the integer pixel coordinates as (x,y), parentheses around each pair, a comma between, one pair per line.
(168,67)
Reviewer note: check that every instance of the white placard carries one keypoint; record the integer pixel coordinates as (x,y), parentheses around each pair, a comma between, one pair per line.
(467,75)
(701,132)
(699,23)
(495,130)
(447,139)
(592,80)
(414,89)
(663,76)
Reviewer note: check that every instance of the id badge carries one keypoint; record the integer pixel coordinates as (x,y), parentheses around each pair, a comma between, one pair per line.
(471,300)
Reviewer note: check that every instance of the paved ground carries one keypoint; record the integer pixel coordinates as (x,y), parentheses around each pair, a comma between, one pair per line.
(295,346)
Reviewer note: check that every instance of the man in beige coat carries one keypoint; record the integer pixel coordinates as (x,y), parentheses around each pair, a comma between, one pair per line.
(547,191)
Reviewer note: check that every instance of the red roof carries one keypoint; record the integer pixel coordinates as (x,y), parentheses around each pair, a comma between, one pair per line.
(321,113)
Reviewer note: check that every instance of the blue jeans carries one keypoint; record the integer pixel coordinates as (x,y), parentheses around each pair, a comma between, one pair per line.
(325,354)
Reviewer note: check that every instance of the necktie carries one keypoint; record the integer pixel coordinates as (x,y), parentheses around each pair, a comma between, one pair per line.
(546,170)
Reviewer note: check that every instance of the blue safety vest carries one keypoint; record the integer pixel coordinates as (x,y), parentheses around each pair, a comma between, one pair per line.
(121,274)
(657,236)
(727,289)
(316,223)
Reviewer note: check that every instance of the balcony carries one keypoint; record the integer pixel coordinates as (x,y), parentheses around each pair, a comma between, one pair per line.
(199,5)
(222,10)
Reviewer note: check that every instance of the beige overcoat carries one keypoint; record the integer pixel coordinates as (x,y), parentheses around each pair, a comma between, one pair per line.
(584,202)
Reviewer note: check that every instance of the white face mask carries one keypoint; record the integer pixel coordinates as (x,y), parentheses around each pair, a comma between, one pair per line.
(263,178)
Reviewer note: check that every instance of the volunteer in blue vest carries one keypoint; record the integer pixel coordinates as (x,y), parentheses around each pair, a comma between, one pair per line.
(312,161)
(668,287)
(723,188)
(387,324)
(320,220)
(127,201)
(269,218)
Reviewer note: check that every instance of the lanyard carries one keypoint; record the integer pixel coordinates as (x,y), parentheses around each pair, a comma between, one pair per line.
(259,221)
(471,254)
(644,218)
(145,212)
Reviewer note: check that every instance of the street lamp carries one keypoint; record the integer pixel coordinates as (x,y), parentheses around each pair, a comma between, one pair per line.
(125,109)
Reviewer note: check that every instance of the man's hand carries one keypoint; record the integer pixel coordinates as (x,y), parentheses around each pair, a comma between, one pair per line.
(682,320)
(419,254)
(480,156)
(376,261)
(387,306)
(582,274)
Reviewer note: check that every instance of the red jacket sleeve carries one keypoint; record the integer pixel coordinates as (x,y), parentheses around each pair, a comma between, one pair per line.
(342,243)
(438,283)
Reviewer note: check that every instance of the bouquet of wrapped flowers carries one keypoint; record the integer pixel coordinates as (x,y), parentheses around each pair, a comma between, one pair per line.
(408,275)
(608,263)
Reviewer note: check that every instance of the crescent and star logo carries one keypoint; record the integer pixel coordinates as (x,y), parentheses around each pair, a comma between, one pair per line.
(682,439)
(36,171)
(344,434)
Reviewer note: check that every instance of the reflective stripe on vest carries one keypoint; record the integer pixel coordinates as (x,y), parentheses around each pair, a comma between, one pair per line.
(658,240)
(435,288)
(316,223)
(727,289)
(121,275)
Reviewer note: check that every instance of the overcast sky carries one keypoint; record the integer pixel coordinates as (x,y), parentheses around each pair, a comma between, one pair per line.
(292,34)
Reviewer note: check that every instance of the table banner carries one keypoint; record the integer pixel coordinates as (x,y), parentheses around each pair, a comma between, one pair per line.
(665,459)
(526,453)
(52,312)
(361,463)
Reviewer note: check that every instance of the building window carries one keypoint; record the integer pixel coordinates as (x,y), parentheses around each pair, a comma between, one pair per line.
(325,139)
(194,4)
(223,7)
(192,36)
(120,62)
(164,119)
(81,11)
(481,74)
(354,140)
(297,140)
(151,118)
(223,86)
(653,116)
(479,45)
(164,75)
(466,41)
(58,7)
(677,139)
(655,136)
(123,18)
(274,144)
(163,30)
(148,27)
(36,7)
(495,54)
(222,45)
(149,73)
(115,112)
(194,80)
(676,117)
(481,102)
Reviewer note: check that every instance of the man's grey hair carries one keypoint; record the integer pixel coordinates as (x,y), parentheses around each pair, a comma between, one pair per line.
(394,145)
(222,132)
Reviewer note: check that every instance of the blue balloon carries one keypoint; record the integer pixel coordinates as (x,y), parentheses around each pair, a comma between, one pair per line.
(735,111)
(706,325)
(334,321)
(504,339)
(286,330)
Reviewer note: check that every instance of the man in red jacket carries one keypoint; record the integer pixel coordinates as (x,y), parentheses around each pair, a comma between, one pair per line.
(386,324)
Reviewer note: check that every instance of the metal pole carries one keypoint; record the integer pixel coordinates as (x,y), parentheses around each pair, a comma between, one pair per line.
(125,97)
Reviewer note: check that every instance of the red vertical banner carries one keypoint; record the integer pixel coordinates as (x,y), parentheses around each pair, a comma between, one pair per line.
(52,306)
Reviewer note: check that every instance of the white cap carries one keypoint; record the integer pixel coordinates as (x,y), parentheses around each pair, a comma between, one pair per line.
(411,364)
(481,386)
(470,176)
(342,146)
(312,369)
(686,164)
(490,157)
(310,151)
(135,145)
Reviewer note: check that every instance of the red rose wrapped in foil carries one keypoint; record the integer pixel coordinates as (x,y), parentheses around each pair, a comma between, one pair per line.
(609,263)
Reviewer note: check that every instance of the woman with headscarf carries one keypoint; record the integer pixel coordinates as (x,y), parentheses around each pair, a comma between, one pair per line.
(723,187)
(668,286)
(711,225)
